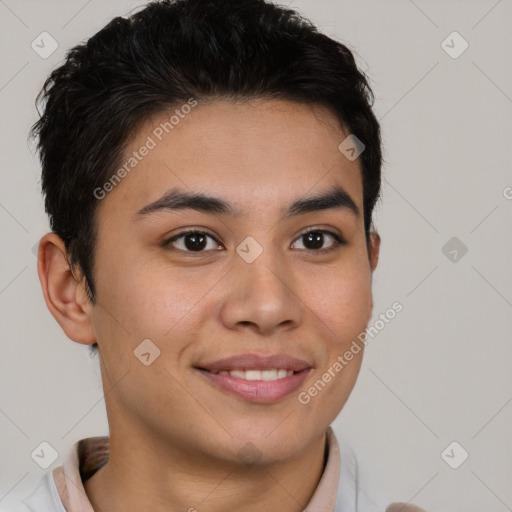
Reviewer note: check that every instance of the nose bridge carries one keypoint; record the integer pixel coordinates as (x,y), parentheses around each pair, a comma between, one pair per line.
(261,292)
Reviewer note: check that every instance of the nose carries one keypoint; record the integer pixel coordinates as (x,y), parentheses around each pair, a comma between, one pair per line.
(262,296)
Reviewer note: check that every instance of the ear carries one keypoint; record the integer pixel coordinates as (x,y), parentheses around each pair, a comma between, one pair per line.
(65,295)
(374,249)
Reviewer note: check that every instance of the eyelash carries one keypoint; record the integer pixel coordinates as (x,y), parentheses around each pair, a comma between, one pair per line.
(338,240)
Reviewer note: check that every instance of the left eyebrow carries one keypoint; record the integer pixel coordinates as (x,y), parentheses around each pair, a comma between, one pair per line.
(335,197)
(177,199)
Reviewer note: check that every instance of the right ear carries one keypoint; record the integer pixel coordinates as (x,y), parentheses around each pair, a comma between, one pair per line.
(64,294)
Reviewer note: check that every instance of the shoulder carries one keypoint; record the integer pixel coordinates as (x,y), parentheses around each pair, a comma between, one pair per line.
(355,493)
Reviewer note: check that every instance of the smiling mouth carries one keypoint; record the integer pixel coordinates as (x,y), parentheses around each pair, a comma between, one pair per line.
(259,386)
(267,375)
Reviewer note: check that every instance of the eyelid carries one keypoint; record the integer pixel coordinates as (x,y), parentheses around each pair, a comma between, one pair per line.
(329,231)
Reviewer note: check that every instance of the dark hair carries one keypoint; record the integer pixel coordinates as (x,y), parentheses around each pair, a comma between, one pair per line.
(163,55)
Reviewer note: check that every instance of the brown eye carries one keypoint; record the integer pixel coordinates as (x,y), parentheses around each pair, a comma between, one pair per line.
(314,240)
(200,241)
(192,241)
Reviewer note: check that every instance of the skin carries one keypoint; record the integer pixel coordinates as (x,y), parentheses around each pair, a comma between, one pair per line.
(175,439)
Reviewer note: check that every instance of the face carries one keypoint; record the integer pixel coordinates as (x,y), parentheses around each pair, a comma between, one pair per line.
(259,278)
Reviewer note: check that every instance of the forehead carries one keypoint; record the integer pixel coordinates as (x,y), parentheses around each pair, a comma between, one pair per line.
(259,152)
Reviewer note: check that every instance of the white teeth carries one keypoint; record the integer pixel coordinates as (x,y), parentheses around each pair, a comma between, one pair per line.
(237,373)
(272,374)
(252,375)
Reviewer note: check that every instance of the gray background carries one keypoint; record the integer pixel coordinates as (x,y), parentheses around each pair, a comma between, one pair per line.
(440,371)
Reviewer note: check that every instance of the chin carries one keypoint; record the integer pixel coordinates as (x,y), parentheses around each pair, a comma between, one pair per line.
(268,446)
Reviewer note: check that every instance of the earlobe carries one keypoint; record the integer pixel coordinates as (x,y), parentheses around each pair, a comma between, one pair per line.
(63,293)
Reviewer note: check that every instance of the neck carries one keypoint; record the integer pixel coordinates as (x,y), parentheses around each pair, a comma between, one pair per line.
(147,474)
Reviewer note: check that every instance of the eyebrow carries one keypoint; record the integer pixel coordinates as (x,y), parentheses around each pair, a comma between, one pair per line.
(177,199)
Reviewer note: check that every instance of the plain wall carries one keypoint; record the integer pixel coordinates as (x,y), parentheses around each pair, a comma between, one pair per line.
(440,370)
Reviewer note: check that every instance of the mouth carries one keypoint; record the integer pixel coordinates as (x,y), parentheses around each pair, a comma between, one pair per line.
(257,378)
(268,375)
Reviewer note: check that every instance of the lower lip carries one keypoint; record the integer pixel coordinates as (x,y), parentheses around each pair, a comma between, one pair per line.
(260,391)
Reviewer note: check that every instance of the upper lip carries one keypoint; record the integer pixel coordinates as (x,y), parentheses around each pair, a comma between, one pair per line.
(256,362)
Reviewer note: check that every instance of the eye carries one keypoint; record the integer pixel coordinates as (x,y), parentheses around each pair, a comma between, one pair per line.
(192,241)
(197,241)
(314,240)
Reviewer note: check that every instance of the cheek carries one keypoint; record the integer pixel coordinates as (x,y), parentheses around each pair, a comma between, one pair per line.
(343,301)
(344,306)
(145,299)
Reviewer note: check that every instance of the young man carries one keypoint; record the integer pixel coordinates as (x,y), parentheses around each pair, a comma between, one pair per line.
(210,169)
